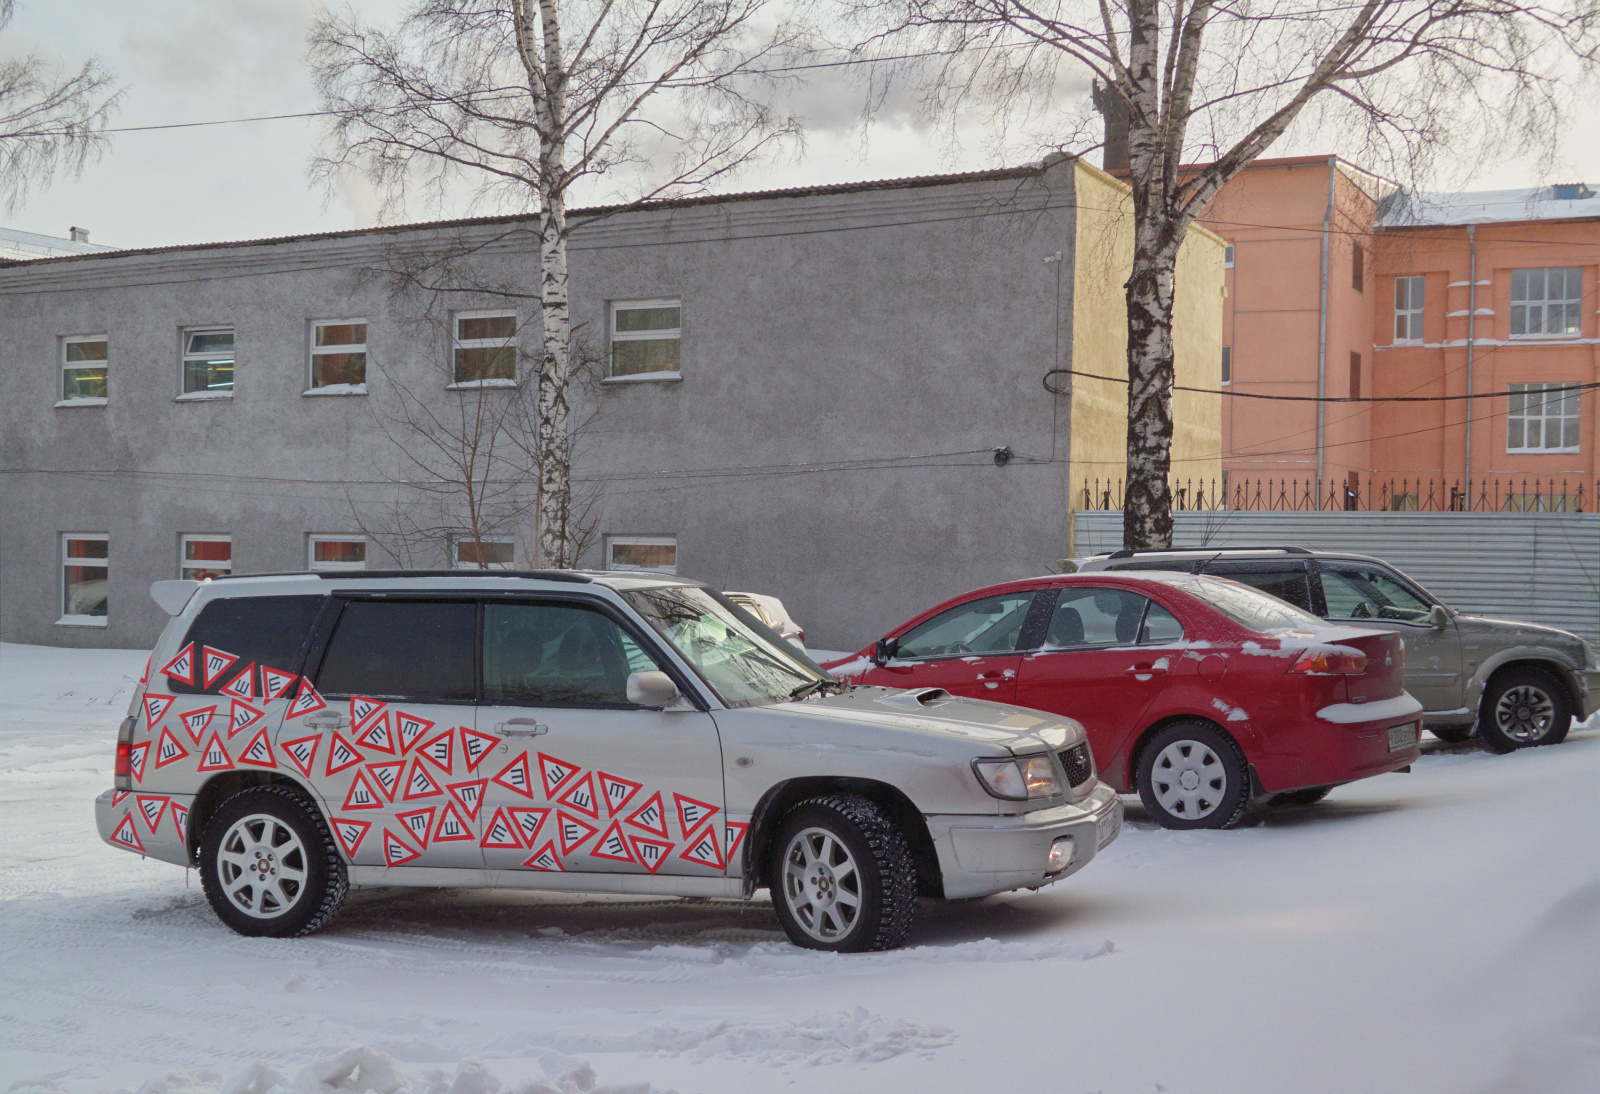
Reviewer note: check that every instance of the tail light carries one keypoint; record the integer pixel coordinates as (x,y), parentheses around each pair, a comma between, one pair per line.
(123,769)
(1330,661)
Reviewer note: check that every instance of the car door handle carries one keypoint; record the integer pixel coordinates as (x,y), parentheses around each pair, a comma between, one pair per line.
(1147,670)
(327,721)
(520,727)
(1004,674)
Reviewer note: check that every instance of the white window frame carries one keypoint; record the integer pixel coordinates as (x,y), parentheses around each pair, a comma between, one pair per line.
(315,351)
(81,563)
(1543,305)
(675,334)
(640,541)
(462,537)
(1408,313)
(184,357)
(66,367)
(457,342)
(1544,417)
(201,537)
(314,538)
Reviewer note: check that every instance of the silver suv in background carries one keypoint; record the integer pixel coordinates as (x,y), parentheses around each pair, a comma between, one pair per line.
(298,734)
(1514,684)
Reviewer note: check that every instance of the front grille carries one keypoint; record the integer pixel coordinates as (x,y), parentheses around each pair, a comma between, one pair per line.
(1078,763)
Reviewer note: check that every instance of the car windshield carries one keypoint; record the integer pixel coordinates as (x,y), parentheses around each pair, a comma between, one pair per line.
(1255,609)
(741,664)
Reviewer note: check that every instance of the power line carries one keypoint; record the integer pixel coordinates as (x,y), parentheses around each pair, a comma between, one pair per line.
(1321,398)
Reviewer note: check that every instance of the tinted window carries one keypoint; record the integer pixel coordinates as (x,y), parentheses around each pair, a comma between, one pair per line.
(258,630)
(557,655)
(1248,606)
(416,650)
(1286,581)
(990,625)
(1087,616)
(1160,626)
(1354,591)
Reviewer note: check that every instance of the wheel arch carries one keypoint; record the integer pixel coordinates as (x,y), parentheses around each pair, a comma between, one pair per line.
(1554,669)
(226,784)
(1130,775)
(781,797)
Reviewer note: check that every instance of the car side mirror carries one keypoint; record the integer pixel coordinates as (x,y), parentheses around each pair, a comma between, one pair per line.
(652,688)
(1439,616)
(884,649)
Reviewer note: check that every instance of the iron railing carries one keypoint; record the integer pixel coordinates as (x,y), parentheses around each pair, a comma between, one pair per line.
(1505,494)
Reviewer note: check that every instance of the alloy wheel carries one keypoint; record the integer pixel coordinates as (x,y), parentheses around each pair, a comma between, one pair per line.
(821,884)
(1524,713)
(262,866)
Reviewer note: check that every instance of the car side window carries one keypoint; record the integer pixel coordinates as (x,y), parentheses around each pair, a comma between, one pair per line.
(421,651)
(557,655)
(1284,580)
(990,625)
(269,631)
(1160,627)
(1086,616)
(1354,591)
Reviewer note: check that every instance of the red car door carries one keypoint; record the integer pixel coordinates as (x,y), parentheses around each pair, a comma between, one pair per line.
(969,650)
(1101,663)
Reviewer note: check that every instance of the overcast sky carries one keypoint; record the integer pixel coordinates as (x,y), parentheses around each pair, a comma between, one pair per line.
(199,60)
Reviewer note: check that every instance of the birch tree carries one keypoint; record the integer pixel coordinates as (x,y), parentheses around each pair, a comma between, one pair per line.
(51,120)
(1212,84)
(524,102)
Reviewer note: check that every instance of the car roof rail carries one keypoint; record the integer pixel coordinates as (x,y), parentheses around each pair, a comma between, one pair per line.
(1215,548)
(538,575)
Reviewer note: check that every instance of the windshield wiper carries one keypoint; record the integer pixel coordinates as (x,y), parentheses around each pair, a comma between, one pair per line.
(812,687)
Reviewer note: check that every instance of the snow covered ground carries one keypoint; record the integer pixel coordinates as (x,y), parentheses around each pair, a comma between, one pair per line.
(1437,931)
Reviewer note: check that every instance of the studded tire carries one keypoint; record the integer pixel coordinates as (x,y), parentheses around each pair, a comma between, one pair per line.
(882,875)
(1547,701)
(292,823)
(1223,792)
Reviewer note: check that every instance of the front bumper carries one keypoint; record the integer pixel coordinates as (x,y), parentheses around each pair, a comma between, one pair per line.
(983,855)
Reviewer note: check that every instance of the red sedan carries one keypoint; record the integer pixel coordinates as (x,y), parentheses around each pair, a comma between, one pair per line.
(1202,694)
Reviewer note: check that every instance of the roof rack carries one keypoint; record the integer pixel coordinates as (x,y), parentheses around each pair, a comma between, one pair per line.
(346,575)
(1216,549)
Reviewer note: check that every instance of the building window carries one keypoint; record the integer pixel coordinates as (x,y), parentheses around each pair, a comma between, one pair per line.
(1227,257)
(339,354)
(1571,191)
(338,552)
(1408,308)
(645,338)
(83,369)
(482,554)
(85,564)
(659,553)
(1542,418)
(485,347)
(1355,376)
(1358,268)
(1544,303)
(1227,364)
(200,557)
(208,361)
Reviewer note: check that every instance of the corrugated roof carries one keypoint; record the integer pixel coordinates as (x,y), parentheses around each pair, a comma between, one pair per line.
(1419,209)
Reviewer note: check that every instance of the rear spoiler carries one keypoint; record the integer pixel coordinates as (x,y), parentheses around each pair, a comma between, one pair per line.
(173,594)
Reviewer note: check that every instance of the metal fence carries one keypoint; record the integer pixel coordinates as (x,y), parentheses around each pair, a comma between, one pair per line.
(1500,494)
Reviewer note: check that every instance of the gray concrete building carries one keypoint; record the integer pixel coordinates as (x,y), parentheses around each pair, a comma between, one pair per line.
(797,392)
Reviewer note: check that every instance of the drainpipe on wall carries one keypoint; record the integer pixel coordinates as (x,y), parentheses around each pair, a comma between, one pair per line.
(1472,320)
(1322,328)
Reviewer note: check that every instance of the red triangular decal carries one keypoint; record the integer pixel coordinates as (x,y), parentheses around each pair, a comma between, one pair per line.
(554,772)
(440,751)
(451,826)
(362,794)
(376,737)
(243,716)
(302,752)
(118,797)
(612,845)
(515,776)
(213,663)
(362,708)
(545,858)
(181,667)
(155,708)
(651,853)
(617,791)
(168,750)
(528,822)
(469,796)
(306,700)
(350,833)
(691,811)
(242,686)
(386,776)
(180,821)
(145,679)
(196,721)
(126,835)
(704,850)
(651,816)
(572,831)
(258,753)
(419,784)
(214,757)
(500,833)
(734,836)
(475,746)
(395,850)
(580,795)
(341,754)
(419,822)
(136,758)
(409,728)
(152,807)
(275,683)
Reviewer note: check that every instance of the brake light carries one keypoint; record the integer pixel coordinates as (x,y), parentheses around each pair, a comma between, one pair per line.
(1330,661)
(124,768)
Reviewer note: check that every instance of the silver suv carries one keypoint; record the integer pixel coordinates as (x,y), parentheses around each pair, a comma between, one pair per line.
(608,733)
(1515,684)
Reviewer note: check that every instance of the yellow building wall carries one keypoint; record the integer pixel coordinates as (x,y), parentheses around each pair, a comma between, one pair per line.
(1100,345)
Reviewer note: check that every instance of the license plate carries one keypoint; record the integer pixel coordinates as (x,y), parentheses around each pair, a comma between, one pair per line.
(1107,827)
(1402,736)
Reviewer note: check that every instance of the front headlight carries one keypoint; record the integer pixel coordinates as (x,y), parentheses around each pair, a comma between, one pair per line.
(1019,779)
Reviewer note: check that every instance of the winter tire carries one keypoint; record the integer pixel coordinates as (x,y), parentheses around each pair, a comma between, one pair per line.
(1522,708)
(1192,775)
(1454,735)
(269,866)
(1311,795)
(841,876)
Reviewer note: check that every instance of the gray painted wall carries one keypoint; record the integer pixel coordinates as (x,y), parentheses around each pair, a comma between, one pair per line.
(845,326)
